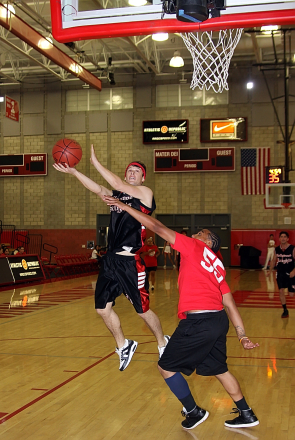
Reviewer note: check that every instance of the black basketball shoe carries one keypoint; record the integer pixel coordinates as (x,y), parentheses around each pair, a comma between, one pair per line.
(245,419)
(126,352)
(285,314)
(194,418)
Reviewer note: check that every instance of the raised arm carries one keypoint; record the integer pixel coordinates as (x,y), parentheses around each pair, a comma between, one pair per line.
(142,193)
(149,222)
(236,319)
(88,183)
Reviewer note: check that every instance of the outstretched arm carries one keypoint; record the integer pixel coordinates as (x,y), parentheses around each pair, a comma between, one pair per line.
(149,222)
(88,183)
(142,193)
(236,319)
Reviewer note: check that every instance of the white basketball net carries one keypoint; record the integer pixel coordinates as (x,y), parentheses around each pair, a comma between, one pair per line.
(211,53)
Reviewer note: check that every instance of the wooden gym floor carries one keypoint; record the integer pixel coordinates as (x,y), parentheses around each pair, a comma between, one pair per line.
(60,377)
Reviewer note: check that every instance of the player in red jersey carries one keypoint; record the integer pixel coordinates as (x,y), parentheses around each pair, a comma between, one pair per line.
(199,342)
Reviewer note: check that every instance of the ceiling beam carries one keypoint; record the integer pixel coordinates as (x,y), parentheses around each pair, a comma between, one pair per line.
(26,33)
(142,55)
(256,48)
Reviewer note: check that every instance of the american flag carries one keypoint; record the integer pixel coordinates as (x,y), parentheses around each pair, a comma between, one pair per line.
(253,163)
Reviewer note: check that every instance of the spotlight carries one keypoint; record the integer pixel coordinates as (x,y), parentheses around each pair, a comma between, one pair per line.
(250,85)
(160,36)
(137,2)
(176,60)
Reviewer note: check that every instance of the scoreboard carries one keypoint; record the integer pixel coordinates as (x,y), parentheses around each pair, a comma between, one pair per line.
(34,164)
(194,159)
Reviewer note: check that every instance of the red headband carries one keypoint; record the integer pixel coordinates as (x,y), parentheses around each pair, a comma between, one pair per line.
(136,164)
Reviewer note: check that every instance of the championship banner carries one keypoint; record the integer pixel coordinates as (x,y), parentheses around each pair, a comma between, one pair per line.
(25,268)
(165,132)
(223,130)
(11,109)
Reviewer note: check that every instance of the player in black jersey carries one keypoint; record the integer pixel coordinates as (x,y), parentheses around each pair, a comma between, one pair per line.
(122,270)
(284,259)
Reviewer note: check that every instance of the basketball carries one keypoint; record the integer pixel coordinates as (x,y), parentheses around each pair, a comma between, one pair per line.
(67,151)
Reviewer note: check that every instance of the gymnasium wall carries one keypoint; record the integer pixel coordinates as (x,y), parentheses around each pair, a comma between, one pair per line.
(58,202)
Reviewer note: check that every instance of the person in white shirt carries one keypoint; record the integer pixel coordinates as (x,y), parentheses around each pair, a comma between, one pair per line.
(270,251)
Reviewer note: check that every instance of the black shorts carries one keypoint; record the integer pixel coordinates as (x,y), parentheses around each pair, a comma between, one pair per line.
(285,282)
(122,274)
(151,269)
(198,343)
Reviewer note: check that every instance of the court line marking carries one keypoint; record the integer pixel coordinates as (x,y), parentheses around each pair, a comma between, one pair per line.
(32,402)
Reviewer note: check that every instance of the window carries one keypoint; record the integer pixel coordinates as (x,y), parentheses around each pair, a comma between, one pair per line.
(176,95)
(90,99)
(167,96)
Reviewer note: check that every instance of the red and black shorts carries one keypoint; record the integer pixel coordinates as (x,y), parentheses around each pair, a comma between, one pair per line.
(198,344)
(122,274)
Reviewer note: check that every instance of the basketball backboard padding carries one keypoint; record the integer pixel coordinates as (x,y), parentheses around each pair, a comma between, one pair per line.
(70,24)
(275,197)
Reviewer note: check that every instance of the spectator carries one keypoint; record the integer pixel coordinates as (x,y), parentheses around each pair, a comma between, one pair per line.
(167,252)
(6,252)
(2,251)
(270,251)
(149,253)
(96,253)
(20,250)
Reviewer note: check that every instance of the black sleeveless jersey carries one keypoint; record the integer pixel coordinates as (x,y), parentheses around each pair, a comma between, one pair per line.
(126,233)
(285,260)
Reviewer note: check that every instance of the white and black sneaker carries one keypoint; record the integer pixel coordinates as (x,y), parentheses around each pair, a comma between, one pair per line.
(162,349)
(245,419)
(126,352)
(194,417)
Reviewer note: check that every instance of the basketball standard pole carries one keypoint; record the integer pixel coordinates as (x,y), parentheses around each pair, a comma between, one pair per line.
(286,189)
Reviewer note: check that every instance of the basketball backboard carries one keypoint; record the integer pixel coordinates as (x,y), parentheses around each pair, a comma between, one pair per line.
(74,20)
(280,195)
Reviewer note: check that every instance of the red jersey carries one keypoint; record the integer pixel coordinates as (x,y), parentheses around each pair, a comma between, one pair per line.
(150,260)
(201,276)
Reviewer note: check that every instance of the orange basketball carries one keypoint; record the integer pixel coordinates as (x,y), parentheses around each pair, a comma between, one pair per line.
(67,151)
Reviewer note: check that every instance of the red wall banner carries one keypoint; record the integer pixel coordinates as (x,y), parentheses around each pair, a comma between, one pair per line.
(11,109)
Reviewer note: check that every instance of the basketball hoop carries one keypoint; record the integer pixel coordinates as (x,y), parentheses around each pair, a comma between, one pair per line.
(211,53)
(286,205)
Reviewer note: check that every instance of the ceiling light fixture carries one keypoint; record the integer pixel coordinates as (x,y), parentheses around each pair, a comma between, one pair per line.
(160,36)
(176,60)
(6,12)
(76,68)
(45,43)
(137,2)
(250,85)
(267,30)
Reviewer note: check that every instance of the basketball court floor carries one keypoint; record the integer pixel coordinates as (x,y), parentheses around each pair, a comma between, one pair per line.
(60,376)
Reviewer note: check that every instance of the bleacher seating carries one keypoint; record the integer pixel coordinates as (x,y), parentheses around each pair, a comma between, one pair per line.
(70,266)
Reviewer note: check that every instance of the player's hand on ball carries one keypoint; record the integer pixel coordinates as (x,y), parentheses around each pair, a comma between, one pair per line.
(248,345)
(64,168)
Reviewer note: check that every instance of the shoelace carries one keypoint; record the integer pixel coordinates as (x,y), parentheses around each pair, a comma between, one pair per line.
(124,352)
(235,411)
